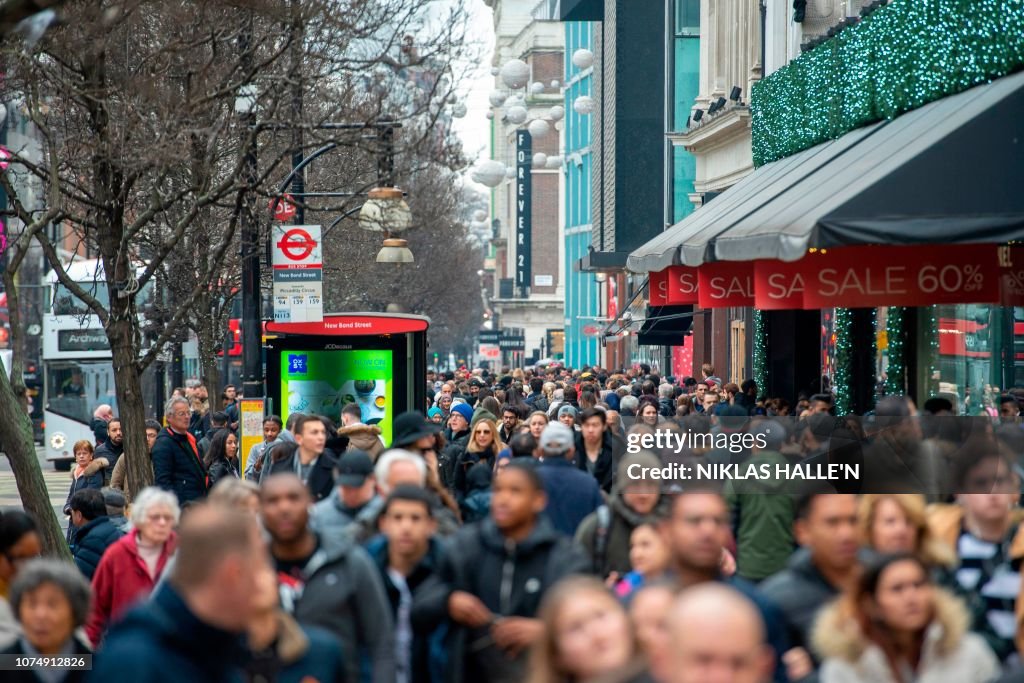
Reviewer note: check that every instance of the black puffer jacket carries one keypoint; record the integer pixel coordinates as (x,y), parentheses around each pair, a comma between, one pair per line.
(177,467)
(509,578)
(604,467)
(90,541)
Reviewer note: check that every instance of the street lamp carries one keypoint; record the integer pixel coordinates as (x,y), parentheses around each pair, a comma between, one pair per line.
(385,211)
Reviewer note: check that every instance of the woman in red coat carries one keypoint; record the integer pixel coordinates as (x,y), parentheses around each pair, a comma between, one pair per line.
(131,567)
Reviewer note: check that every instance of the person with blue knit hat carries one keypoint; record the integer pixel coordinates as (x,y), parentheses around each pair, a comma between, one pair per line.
(457,436)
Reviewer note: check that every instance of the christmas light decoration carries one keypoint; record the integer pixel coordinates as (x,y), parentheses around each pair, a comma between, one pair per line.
(897,58)
(760,352)
(841,382)
(896,372)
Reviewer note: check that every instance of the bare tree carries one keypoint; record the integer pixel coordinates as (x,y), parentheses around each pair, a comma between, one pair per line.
(136,105)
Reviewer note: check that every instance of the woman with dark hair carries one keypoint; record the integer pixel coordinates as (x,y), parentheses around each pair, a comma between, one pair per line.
(896,626)
(648,411)
(51,601)
(221,458)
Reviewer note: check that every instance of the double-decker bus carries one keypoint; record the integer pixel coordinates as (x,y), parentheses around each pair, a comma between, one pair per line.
(78,373)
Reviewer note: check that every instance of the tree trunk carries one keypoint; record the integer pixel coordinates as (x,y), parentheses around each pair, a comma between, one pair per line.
(20,448)
(130,405)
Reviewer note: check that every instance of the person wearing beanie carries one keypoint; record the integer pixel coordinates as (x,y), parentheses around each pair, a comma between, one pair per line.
(457,438)
(435,415)
(481,414)
(635,500)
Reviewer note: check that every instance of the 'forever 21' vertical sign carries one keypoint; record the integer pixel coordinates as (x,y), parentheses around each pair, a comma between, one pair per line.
(524,162)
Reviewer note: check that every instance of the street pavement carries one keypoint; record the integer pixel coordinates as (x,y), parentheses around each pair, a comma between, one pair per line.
(57,485)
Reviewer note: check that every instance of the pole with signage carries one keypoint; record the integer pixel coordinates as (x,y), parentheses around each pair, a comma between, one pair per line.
(524,207)
(298,274)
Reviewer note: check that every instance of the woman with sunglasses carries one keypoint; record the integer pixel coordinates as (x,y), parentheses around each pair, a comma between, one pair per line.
(483,446)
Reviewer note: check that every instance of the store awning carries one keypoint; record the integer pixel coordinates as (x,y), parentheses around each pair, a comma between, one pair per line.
(949,172)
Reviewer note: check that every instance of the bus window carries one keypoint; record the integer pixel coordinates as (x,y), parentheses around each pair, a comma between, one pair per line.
(75,390)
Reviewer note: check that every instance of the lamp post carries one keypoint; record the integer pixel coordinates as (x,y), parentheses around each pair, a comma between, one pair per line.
(252,339)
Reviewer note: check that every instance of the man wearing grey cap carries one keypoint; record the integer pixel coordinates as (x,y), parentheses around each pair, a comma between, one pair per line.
(572,493)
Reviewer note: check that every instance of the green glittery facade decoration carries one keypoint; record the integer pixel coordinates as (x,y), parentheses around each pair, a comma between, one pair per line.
(843,325)
(760,352)
(896,372)
(898,58)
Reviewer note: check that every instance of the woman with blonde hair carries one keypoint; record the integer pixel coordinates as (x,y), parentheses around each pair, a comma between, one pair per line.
(898,523)
(483,446)
(896,626)
(587,636)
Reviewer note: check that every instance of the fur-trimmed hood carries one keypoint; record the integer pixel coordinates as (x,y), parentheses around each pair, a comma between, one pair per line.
(837,634)
(364,437)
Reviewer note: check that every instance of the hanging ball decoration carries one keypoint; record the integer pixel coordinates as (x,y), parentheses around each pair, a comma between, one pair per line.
(459,110)
(495,71)
(583,58)
(555,85)
(516,114)
(554,162)
(510,172)
(539,128)
(536,88)
(496,98)
(489,173)
(489,115)
(479,215)
(515,73)
(540,160)
(556,113)
(453,98)
(584,105)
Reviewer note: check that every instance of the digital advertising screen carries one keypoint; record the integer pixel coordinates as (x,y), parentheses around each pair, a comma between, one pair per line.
(322,382)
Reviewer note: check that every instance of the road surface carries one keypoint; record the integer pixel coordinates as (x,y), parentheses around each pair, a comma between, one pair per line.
(57,485)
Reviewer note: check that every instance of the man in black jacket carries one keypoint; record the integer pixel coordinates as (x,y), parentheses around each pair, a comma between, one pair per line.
(177,464)
(407,554)
(111,449)
(309,458)
(457,436)
(492,579)
(94,531)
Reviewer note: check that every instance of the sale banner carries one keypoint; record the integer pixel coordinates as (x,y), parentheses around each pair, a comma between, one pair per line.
(1011,286)
(682,284)
(726,283)
(921,275)
(780,285)
(657,294)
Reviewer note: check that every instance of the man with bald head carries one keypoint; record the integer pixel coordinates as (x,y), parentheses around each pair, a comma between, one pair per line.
(191,630)
(718,636)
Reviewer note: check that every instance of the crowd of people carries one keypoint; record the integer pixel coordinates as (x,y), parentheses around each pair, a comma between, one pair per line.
(507,533)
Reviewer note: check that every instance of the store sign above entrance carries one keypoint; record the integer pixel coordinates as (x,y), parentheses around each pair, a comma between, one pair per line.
(850,277)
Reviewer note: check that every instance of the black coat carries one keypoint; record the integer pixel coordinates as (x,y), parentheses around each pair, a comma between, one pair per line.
(177,467)
(29,676)
(604,468)
(221,468)
(162,641)
(90,541)
(509,580)
(321,479)
(112,453)
(448,458)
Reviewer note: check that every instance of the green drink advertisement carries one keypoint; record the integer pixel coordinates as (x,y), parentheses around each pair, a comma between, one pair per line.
(324,382)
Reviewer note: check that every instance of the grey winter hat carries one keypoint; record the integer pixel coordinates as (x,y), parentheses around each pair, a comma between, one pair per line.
(556,439)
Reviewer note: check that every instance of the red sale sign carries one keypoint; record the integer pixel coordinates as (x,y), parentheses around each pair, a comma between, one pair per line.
(726,283)
(865,277)
(657,294)
(779,285)
(683,285)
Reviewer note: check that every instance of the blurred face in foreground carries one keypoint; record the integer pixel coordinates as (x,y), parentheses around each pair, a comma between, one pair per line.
(592,635)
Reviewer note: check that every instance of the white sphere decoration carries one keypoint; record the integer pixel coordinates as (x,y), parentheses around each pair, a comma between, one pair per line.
(510,172)
(540,160)
(555,85)
(516,114)
(536,88)
(459,110)
(489,173)
(539,128)
(515,73)
(495,71)
(496,98)
(479,215)
(556,113)
(510,101)
(583,58)
(489,115)
(584,105)
(554,162)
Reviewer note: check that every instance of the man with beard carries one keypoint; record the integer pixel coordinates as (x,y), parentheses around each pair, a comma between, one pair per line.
(111,449)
